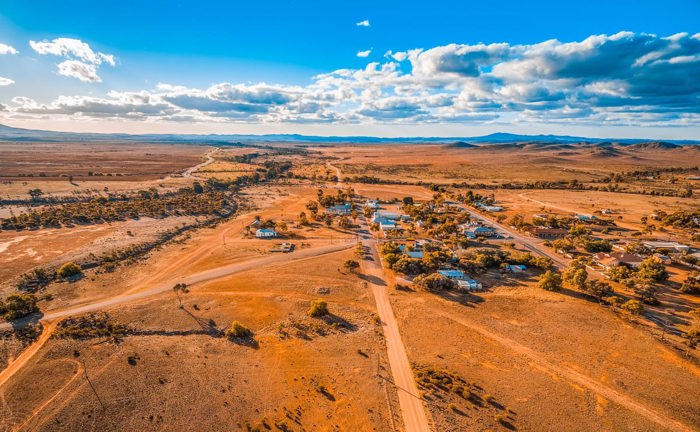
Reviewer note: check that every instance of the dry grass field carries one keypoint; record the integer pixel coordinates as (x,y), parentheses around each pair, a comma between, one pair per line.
(516,357)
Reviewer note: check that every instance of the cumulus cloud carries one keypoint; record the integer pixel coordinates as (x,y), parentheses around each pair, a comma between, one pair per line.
(7,49)
(364,54)
(81,61)
(620,79)
(5,81)
(364,23)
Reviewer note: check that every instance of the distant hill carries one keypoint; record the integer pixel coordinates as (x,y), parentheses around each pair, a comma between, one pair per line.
(8,133)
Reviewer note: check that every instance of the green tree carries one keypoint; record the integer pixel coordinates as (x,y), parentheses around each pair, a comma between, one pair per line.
(550,281)
(180,288)
(197,187)
(633,307)
(576,274)
(598,289)
(434,282)
(653,269)
(18,306)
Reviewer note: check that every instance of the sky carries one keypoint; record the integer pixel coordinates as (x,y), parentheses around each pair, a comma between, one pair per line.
(615,68)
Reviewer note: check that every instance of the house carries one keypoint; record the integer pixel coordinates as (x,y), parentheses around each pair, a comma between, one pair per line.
(452,274)
(656,245)
(479,232)
(516,268)
(373,204)
(381,214)
(468,285)
(340,209)
(489,208)
(586,218)
(265,233)
(389,226)
(666,260)
(548,233)
(415,254)
(612,259)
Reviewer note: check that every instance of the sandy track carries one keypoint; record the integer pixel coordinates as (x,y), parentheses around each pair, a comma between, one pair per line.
(412,407)
(28,353)
(576,377)
(189,172)
(203,276)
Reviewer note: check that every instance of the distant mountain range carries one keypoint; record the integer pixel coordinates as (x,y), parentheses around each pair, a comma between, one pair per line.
(29,135)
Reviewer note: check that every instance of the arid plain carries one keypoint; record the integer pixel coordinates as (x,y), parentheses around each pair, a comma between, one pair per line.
(140,291)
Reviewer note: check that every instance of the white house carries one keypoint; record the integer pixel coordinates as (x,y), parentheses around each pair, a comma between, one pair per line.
(655,245)
(373,204)
(468,285)
(265,233)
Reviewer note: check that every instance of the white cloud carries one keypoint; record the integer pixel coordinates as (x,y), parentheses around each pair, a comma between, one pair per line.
(364,23)
(5,81)
(81,61)
(621,79)
(77,69)
(7,49)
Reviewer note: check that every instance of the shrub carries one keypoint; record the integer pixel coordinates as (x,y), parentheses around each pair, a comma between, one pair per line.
(633,307)
(18,306)
(318,308)
(351,265)
(69,269)
(237,331)
(434,282)
(550,281)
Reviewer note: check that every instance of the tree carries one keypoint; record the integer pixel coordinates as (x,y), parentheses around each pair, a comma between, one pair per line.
(35,194)
(69,269)
(180,288)
(653,269)
(633,307)
(281,226)
(619,273)
(646,292)
(302,220)
(434,282)
(318,308)
(237,331)
(18,306)
(344,222)
(408,200)
(598,289)
(576,273)
(409,266)
(197,187)
(691,285)
(550,281)
(312,206)
(328,220)
(351,265)
(692,338)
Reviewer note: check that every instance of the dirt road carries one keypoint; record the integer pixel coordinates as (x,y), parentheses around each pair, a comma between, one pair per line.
(412,408)
(28,353)
(203,276)
(189,172)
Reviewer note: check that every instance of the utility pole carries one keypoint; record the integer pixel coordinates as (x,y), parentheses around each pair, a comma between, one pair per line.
(87,378)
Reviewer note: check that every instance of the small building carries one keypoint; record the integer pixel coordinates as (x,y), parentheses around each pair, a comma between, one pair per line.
(416,254)
(265,233)
(372,204)
(452,274)
(387,215)
(389,226)
(548,233)
(479,232)
(586,217)
(466,285)
(607,260)
(340,209)
(516,268)
(674,246)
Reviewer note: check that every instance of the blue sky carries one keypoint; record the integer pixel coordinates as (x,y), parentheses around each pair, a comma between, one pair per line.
(462,67)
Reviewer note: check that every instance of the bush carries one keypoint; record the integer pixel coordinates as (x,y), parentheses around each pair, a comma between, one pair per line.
(318,308)
(633,307)
(351,265)
(18,306)
(69,269)
(550,281)
(434,282)
(237,331)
